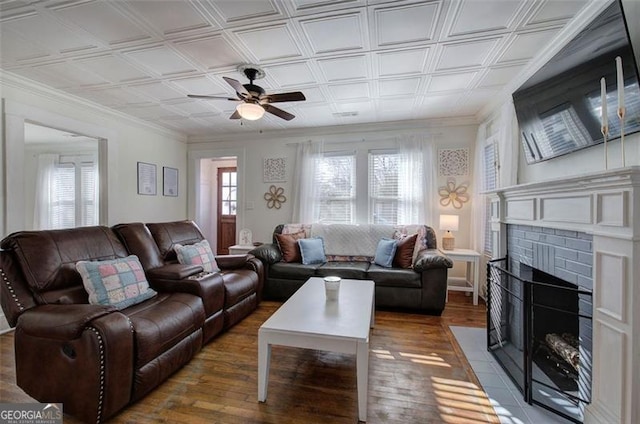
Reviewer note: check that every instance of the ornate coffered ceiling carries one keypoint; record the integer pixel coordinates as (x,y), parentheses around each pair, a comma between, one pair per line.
(357,61)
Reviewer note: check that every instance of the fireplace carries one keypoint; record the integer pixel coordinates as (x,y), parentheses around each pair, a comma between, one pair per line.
(534,332)
(584,230)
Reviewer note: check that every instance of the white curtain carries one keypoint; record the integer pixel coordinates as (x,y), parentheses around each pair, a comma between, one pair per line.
(508,142)
(478,205)
(416,180)
(44,191)
(478,211)
(304,190)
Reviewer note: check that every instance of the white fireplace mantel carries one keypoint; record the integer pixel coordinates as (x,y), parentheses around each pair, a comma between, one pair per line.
(607,205)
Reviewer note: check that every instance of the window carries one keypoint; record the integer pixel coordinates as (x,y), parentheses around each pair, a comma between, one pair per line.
(384,192)
(228,191)
(74,193)
(335,187)
(490,178)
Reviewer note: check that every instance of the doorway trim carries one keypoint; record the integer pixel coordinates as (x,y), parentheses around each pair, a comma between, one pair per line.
(15,115)
(193,183)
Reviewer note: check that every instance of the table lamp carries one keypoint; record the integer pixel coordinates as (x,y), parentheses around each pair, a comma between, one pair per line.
(448,223)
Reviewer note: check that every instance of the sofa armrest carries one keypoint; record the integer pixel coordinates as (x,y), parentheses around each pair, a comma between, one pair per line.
(61,322)
(431,258)
(208,286)
(268,253)
(88,356)
(174,272)
(228,262)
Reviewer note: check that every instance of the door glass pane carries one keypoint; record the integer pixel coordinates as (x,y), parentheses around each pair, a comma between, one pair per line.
(225,193)
(225,179)
(225,208)
(234,179)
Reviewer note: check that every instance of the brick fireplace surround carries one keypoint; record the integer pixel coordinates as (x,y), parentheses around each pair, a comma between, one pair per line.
(606,206)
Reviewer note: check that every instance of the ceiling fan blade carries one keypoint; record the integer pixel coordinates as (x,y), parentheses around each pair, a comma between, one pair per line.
(294,96)
(199,96)
(278,112)
(235,115)
(237,86)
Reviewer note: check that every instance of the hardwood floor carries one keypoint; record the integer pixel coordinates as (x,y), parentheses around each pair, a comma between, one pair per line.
(417,374)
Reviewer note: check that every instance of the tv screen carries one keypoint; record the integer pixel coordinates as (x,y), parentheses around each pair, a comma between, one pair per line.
(559,107)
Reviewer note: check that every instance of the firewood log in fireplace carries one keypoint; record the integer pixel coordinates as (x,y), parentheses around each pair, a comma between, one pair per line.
(564,349)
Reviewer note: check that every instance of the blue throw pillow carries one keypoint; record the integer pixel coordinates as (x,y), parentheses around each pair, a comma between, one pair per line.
(312,251)
(385,252)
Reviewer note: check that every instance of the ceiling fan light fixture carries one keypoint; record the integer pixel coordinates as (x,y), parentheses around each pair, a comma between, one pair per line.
(250,111)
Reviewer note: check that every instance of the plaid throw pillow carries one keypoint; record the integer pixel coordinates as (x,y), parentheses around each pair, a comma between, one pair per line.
(117,282)
(197,254)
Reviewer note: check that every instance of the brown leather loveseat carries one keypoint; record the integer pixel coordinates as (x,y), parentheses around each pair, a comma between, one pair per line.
(96,359)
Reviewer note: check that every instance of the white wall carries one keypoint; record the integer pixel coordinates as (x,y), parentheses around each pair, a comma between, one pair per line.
(256,147)
(129,141)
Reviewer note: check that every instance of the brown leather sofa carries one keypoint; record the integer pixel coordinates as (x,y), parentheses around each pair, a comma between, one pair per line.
(96,359)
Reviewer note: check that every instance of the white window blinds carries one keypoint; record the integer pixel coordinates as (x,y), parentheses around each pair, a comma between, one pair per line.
(335,187)
(489,183)
(73,195)
(384,192)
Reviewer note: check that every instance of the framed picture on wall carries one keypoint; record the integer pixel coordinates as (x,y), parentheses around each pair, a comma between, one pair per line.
(169,181)
(147,179)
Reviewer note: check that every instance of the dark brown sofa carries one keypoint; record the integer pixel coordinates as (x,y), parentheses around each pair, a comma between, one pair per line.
(96,359)
(421,287)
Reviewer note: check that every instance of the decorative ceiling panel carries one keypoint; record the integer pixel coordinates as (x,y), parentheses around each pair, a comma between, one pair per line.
(239,10)
(351,91)
(211,52)
(408,23)
(14,48)
(465,54)
(291,74)
(157,91)
(475,17)
(556,11)
(50,34)
(525,45)
(402,62)
(160,61)
(172,17)
(344,68)
(499,76)
(202,85)
(356,61)
(275,42)
(112,68)
(406,87)
(449,82)
(334,34)
(103,21)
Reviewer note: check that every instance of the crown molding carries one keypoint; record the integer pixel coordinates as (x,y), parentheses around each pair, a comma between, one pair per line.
(12,80)
(359,130)
(570,30)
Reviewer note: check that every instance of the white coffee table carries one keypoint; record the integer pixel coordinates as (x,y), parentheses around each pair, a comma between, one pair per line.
(309,321)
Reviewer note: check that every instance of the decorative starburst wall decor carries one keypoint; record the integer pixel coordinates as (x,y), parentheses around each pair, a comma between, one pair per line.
(453,195)
(275,197)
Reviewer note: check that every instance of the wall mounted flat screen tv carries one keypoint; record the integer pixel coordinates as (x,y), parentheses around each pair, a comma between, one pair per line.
(559,107)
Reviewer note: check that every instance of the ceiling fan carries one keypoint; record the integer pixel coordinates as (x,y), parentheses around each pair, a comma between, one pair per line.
(254,100)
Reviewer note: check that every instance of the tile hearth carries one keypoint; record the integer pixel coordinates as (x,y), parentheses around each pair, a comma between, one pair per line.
(507,401)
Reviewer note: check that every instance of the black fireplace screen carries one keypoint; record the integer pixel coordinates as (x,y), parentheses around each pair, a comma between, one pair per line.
(539,331)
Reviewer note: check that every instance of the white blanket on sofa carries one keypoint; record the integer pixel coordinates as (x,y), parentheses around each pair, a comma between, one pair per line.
(351,239)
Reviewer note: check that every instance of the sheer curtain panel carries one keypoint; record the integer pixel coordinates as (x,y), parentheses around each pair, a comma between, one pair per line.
(305,207)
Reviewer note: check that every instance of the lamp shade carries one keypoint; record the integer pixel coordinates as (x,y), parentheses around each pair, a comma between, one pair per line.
(449,222)
(250,111)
